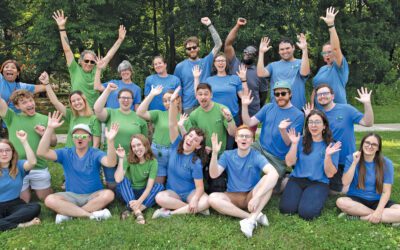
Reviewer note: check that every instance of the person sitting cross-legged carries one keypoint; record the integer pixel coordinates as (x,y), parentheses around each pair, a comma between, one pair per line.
(246,188)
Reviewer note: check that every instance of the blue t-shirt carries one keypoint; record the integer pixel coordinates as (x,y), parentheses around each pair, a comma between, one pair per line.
(10,188)
(170,82)
(182,171)
(82,175)
(336,77)
(311,166)
(289,72)
(225,89)
(341,121)
(369,193)
(184,72)
(243,173)
(270,138)
(112,101)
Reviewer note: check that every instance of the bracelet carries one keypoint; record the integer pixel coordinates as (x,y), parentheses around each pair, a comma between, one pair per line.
(331,26)
(62,30)
(243,80)
(229,120)
(209,25)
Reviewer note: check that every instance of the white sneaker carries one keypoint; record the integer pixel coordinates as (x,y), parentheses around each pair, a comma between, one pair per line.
(161,213)
(262,219)
(205,212)
(60,218)
(101,215)
(247,226)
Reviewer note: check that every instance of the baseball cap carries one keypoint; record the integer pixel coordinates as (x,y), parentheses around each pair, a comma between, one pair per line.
(82,127)
(282,85)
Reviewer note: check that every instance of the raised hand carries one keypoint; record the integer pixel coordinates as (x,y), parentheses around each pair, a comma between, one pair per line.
(216,146)
(227,114)
(302,41)
(44,78)
(183,119)
(356,157)
(206,21)
(284,124)
(21,135)
(329,19)
(175,94)
(363,95)
(54,120)
(121,32)
(156,90)
(242,72)
(307,109)
(196,71)
(112,132)
(247,98)
(333,148)
(112,86)
(241,21)
(293,136)
(100,62)
(264,45)
(120,151)
(58,16)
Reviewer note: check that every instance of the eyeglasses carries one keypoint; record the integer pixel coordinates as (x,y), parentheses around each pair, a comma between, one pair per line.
(80,136)
(8,150)
(323,94)
(125,98)
(318,122)
(220,60)
(191,48)
(325,53)
(244,136)
(89,62)
(283,93)
(371,144)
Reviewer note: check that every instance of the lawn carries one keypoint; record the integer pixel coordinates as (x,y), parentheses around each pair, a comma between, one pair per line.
(215,231)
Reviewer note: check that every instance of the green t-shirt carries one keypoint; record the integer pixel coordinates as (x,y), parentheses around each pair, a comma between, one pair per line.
(21,121)
(161,127)
(91,121)
(211,122)
(129,124)
(83,81)
(139,173)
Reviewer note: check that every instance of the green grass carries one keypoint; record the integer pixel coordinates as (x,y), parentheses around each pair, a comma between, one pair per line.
(384,114)
(215,231)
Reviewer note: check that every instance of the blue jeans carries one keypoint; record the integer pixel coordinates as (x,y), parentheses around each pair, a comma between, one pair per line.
(162,155)
(305,197)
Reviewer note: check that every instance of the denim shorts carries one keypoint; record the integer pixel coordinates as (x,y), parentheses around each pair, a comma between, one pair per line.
(162,154)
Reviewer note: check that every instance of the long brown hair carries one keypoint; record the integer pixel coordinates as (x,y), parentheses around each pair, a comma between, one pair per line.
(326,133)
(379,165)
(13,170)
(88,110)
(148,155)
(198,153)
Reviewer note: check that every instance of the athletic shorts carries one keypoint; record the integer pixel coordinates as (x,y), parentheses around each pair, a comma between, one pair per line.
(37,180)
(371,204)
(77,199)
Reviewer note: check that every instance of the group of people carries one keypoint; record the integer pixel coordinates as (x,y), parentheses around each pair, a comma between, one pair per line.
(190,144)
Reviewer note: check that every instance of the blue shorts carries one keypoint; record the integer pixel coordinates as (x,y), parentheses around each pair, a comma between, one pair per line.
(184,196)
(162,154)
(109,174)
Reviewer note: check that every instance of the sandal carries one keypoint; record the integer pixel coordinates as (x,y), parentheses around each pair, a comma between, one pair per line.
(125,214)
(140,218)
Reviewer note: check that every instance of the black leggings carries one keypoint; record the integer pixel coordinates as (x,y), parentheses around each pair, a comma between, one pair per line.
(15,212)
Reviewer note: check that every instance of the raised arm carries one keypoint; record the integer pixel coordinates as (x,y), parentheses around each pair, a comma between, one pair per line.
(242,74)
(120,173)
(121,36)
(246,100)
(196,71)
(172,114)
(143,108)
(61,21)
(329,19)
(291,156)
(110,160)
(44,150)
(215,169)
(44,79)
(30,155)
(231,123)
(365,98)
(264,47)
(100,66)
(347,177)
(99,105)
(40,88)
(329,167)
(230,39)
(305,63)
(3,107)
(214,34)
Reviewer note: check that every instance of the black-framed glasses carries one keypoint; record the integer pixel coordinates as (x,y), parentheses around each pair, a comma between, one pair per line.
(89,62)
(191,48)
(323,94)
(283,93)
(371,144)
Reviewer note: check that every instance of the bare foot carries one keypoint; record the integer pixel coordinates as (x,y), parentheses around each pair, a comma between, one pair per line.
(35,221)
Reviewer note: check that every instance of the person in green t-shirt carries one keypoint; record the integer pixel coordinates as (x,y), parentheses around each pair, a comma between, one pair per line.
(135,177)
(161,142)
(131,124)
(34,124)
(82,77)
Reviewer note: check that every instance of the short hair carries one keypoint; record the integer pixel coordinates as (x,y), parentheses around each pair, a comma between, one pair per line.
(159,57)
(204,86)
(192,39)
(16,65)
(148,155)
(125,90)
(286,40)
(214,69)
(86,51)
(244,126)
(324,85)
(124,65)
(20,94)
(88,111)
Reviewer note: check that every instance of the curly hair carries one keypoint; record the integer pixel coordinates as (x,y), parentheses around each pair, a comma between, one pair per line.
(198,153)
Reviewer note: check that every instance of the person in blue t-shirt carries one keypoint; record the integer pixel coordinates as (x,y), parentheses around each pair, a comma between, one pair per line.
(126,71)
(246,189)
(84,195)
(370,176)
(289,69)
(161,78)
(276,119)
(342,118)
(315,159)
(336,71)
(184,69)
(14,212)
(185,187)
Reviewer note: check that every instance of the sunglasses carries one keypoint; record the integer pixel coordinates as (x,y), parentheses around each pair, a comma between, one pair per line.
(325,53)
(283,93)
(89,62)
(80,136)
(191,48)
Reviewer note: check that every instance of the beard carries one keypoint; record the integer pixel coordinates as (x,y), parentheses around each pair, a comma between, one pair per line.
(248,61)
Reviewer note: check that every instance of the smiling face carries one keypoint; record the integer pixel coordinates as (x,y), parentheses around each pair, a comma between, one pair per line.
(244,138)
(81,139)
(220,64)
(370,146)
(6,154)
(324,96)
(125,100)
(27,106)
(315,125)
(88,62)
(10,72)
(126,75)
(204,97)
(138,148)
(192,50)
(192,141)
(286,51)
(77,102)
(159,66)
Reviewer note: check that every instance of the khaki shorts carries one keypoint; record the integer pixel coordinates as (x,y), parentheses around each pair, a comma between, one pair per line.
(77,199)
(240,199)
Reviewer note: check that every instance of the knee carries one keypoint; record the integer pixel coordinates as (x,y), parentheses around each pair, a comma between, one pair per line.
(309,213)
(107,195)
(287,207)
(213,199)
(342,203)
(35,208)
(160,198)
(51,201)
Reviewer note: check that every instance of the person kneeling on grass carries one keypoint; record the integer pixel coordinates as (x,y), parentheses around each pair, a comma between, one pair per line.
(135,177)
(84,196)
(185,187)
(246,189)
(370,176)
(15,212)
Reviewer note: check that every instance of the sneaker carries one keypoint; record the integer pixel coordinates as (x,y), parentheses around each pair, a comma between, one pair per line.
(247,226)
(205,212)
(161,213)
(101,215)
(262,219)
(343,215)
(60,218)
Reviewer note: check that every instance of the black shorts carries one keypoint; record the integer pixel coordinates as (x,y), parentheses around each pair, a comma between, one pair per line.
(371,204)
(335,183)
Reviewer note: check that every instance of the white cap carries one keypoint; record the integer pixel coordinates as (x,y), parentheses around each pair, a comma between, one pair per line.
(82,127)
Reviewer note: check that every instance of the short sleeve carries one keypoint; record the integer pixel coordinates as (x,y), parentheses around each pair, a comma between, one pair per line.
(27,86)
(388,172)
(260,160)
(138,96)
(20,166)
(147,86)
(356,115)
(197,171)
(73,67)
(61,155)
(175,144)
(261,113)
(8,118)
(223,160)
(347,164)
(68,115)
(153,169)
(154,114)
(96,129)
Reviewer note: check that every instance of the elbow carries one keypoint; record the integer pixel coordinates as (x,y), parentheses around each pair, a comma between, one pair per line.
(330,173)
(33,162)
(118,178)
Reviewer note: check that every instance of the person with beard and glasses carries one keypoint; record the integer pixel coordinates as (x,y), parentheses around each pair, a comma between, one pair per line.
(184,69)
(289,69)
(276,118)
(342,118)
(257,85)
